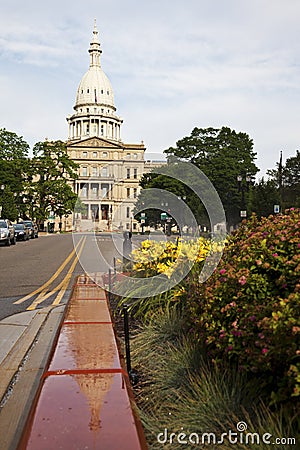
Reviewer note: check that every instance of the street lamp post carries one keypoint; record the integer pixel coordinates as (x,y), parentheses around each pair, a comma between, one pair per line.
(164,205)
(243,186)
(181,216)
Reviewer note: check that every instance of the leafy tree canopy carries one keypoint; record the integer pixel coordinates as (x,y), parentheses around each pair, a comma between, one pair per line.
(51,167)
(13,160)
(222,154)
(12,146)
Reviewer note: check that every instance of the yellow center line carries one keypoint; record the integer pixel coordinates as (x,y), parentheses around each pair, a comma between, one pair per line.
(41,298)
(54,276)
(68,277)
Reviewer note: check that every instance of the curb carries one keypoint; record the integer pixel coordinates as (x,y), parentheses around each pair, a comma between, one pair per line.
(22,368)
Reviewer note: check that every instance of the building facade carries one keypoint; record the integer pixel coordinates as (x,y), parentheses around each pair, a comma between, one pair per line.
(109,169)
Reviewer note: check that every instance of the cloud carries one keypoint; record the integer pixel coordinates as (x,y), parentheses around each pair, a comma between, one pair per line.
(194,63)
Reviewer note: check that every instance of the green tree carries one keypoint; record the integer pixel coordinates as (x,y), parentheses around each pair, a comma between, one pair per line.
(265,194)
(14,164)
(12,146)
(222,155)
(176,187)
(8,204)
(291,181)
(48,187)
(287,180)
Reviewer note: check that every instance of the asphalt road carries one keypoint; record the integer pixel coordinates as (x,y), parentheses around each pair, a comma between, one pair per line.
(41,272)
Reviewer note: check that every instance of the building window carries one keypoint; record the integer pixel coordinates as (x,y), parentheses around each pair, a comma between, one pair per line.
(128,156)
(94,171)
(104,188)
(95,212)
(134,173)
(107,92)
(95,190)
(128,192)
(84,154)
(135,155)
(87,109)
(102,93)
(104,172)
(104,154)
(88,91)
(127,173)
(134,192)
(127,212)
(104,210)
(94,154)
(84,171)
(134,226)
(102,130)
(84,192)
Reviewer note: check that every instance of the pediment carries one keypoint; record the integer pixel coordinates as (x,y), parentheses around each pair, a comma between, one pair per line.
(95,142)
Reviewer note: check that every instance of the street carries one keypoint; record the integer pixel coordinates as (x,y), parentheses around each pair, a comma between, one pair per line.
(41,272)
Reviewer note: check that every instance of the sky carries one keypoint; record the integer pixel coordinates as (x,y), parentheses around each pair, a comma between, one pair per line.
(173,65)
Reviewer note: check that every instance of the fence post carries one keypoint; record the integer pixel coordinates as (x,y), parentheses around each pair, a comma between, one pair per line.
(127,342)
(109,284)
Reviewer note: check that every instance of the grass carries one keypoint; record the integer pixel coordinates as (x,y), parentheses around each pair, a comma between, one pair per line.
(180,392)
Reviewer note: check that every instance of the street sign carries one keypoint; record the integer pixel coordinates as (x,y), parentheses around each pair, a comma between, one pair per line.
(143,215)
(143,221)
(163,216)
(276,209)
(243,213)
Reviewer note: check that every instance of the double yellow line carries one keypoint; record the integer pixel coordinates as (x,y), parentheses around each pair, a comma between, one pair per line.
(43,293)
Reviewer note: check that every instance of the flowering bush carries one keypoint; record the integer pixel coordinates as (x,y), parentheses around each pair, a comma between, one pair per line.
(154,257)
(248,310)
(169,261)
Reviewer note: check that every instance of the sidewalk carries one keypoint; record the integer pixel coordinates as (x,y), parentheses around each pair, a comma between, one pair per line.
(26,342)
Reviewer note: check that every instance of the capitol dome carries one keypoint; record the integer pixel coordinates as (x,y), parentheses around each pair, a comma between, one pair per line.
(95,111)
(95,89)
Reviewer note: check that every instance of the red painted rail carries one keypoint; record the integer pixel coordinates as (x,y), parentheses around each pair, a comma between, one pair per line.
(85,399)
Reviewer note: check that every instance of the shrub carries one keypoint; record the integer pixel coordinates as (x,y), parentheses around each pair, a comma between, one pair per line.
(248,310)
(169,262)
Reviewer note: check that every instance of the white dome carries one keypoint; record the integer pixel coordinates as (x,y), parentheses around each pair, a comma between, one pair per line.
(95,89)
(95,111)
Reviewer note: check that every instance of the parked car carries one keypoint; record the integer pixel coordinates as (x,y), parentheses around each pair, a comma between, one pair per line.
(22,231)
(34,232)
(7,232)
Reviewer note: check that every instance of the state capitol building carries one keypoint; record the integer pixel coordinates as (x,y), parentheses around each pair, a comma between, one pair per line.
(109,169)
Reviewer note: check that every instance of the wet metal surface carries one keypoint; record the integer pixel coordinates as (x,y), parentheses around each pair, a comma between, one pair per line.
(88,311)
(84,402)
(86,346)
(84,412)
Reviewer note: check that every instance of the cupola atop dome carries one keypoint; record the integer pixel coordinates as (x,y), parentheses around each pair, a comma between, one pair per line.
(95,111)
